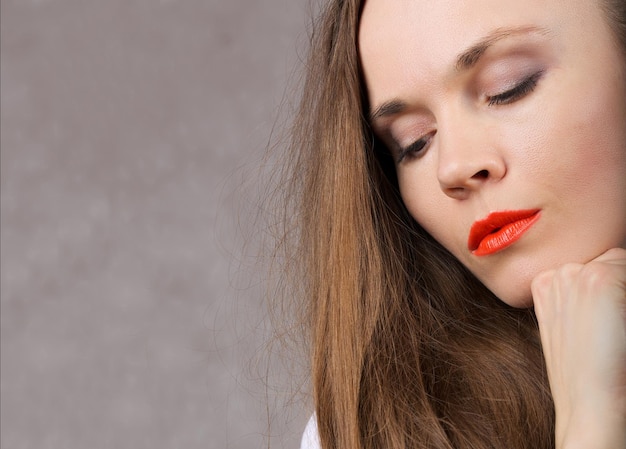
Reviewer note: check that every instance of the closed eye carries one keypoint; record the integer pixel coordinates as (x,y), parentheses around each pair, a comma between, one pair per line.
(519,91)
(414,150)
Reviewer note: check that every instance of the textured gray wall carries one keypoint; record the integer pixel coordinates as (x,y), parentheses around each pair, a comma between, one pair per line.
(129,318)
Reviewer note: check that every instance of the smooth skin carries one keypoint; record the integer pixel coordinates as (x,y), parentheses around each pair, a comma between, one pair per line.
(496,105)
(557,145)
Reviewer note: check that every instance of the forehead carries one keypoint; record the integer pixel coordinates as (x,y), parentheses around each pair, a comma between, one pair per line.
(411,44)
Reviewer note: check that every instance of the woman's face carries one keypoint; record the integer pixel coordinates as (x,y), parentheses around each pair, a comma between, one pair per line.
(507,121)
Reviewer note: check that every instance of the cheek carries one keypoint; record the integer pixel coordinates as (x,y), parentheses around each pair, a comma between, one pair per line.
(427,204)
(580,144)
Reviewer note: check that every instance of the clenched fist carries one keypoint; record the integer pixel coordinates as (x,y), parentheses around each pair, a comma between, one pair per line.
(581,310)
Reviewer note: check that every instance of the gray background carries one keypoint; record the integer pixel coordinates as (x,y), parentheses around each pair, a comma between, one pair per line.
(132,136)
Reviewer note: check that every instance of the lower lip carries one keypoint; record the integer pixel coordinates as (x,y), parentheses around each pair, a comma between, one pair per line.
(505,236)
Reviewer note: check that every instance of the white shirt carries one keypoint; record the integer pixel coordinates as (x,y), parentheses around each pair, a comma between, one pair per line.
(310,437)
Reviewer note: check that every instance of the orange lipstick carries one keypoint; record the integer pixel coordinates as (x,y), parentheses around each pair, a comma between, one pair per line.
(500,230)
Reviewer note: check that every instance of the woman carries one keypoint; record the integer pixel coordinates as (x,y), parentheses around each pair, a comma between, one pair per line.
(459,175)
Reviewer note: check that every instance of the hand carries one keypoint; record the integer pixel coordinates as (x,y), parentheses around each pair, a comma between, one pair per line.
(581,310)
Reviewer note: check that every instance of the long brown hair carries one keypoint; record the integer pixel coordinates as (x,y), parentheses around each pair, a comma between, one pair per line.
(408,349)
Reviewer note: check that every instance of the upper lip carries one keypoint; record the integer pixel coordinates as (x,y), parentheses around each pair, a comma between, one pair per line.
(494,221)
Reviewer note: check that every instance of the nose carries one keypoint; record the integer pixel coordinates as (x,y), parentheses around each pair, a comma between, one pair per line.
(467,161)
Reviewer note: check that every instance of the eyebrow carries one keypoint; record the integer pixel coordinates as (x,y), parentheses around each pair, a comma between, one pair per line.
(470,57)
(464,61)
(387,109)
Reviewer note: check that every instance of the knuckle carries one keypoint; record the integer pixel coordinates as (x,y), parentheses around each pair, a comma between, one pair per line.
(541,283)
(568,272)
(592,274)
(543,279)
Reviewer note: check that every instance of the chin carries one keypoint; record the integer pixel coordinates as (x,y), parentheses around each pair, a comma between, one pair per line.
(512,285)
(517,294)
(520,300)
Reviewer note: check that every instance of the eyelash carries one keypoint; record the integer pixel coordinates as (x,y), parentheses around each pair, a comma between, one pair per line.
(522,89)
(519,91)
(414,149)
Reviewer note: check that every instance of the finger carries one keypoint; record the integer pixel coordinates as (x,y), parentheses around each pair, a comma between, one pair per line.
(613,255)
(541,285)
